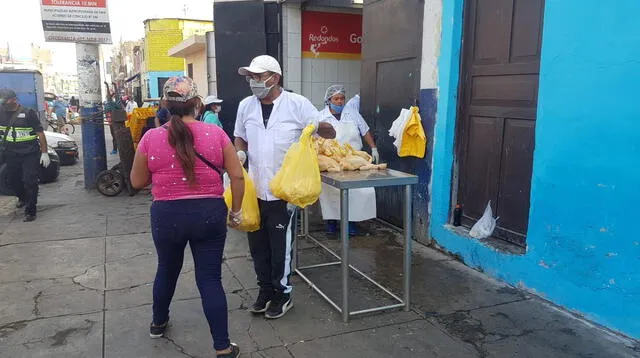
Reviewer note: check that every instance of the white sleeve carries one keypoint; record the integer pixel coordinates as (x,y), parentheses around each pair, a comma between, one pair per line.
(362,124)
(240,131)
(309,114)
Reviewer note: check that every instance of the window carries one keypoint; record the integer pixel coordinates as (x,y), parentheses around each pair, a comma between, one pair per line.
(190,70)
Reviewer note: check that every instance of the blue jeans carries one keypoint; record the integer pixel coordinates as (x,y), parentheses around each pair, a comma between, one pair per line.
(203,224)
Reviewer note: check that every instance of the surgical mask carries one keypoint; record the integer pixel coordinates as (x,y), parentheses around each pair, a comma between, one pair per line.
(217,109)
(336,108)
(259,88)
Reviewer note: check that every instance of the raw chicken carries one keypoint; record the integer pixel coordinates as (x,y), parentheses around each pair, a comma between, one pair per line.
(328,164)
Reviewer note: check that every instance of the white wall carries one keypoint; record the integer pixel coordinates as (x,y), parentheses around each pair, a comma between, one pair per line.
(311,77)
(292,51)
(431,37)
(199,61)
(318,74)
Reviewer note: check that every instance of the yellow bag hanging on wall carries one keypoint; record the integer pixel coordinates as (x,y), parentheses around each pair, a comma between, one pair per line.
(414,141)
(298,180)
(250,210)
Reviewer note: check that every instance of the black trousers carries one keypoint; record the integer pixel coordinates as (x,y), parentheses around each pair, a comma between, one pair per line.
(23,173)
(271,246)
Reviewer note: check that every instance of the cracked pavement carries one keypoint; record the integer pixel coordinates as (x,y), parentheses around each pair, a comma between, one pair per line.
(77,283)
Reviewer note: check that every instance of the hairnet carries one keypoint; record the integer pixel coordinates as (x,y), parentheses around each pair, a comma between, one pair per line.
(334,90)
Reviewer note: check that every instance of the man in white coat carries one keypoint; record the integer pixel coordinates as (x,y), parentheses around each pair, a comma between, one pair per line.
(267,124)
(350,128)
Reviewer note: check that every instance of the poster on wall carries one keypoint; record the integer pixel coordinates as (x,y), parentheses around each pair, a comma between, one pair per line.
(329,35)
(81,21)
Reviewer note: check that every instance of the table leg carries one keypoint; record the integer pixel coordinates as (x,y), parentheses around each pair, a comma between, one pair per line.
(344,236)
(408,234)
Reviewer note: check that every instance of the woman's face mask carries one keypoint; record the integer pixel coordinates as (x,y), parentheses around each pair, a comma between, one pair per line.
(259,88)
(336,108)
(217,109)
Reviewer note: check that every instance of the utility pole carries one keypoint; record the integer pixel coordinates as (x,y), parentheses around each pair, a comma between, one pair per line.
(94,150)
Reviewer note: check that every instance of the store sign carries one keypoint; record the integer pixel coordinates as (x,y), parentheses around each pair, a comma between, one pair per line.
(331,35)
(82,21)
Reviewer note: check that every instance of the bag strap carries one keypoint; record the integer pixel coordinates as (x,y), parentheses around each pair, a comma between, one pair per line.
(200,156)
(205,161)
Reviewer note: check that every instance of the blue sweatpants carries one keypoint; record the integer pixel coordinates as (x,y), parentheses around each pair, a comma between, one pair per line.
(202,224)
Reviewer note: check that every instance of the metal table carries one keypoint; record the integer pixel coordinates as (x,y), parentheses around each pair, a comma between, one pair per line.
(353,180)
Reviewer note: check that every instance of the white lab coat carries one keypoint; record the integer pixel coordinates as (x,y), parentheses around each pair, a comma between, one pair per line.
(268,146)
(362,202)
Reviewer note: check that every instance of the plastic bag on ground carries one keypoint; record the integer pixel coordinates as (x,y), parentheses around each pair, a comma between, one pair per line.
(485,226)
(298,180)
(250,210)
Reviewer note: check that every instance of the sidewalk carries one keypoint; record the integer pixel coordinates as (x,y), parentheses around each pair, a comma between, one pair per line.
(77,283)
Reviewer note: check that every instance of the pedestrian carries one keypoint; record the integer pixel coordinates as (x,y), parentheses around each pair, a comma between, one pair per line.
(212,106)
(183,160)
(350,128)
(60,108)
(267,124)
(23,149)
(130,104)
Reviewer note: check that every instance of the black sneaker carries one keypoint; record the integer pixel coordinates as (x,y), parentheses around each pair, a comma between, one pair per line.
(262,303)
(158,331)
(29,218)
(235,352)
(279,306)
(21,204)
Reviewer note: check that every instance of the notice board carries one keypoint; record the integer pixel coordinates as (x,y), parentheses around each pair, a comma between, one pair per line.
(80,21)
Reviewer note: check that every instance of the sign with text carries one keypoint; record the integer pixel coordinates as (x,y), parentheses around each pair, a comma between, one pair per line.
(81,21)
(331,35)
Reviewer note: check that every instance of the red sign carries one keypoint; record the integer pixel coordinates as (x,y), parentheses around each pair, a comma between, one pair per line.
(331,35)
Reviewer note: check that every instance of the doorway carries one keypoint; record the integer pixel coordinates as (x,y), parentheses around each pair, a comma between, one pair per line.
(497,112)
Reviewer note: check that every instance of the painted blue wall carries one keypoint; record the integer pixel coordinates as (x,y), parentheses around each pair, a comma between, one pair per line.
(583,246)
(154,91)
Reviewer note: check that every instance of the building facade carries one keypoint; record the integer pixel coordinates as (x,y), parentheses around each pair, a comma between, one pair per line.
(160,36)
(527,105)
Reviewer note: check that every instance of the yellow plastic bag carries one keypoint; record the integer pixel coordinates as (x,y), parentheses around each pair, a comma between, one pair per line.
(250,210)
(414,141)
(298,180)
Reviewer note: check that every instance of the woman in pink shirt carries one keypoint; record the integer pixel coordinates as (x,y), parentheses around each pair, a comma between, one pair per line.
(183,160)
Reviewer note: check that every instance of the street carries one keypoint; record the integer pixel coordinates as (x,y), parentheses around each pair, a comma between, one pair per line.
(77,283)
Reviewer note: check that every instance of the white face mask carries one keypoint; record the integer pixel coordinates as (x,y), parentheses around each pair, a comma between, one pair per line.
(259,88)
(217,109)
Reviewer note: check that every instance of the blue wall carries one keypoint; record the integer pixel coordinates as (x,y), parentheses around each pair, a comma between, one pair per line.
(583,247)
(154,91)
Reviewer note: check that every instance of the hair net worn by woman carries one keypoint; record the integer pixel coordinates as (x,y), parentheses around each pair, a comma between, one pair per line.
(334,90)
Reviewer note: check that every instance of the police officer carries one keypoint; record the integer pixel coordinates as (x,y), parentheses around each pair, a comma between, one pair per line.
(25,149)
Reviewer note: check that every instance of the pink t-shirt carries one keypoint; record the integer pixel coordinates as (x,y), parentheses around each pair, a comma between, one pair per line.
(167,177)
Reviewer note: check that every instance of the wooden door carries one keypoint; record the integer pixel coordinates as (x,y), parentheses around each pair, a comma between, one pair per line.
(497,114)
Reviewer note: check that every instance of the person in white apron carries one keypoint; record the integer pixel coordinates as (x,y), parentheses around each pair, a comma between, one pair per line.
(350,128)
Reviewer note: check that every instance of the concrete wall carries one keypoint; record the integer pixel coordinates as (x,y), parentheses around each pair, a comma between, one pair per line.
(199,61)
(152,79)
(291,41)
(583,250)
